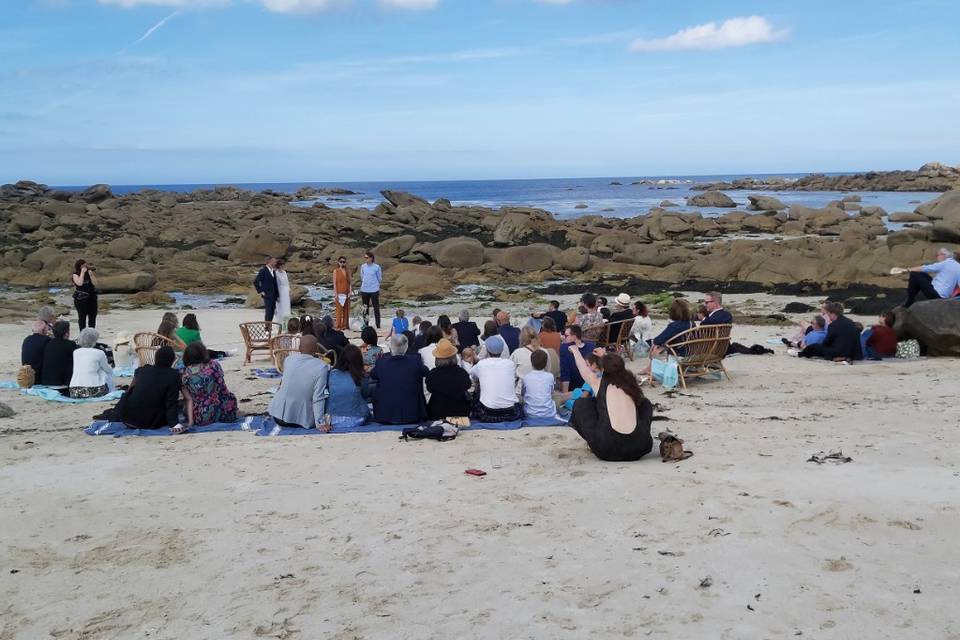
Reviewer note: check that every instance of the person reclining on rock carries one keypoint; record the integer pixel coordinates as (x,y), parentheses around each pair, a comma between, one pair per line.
(880,340)
(940,285)
(842,341)
(301,400)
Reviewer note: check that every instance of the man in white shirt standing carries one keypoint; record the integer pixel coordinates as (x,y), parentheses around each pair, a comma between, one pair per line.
(496,395)
(371,275)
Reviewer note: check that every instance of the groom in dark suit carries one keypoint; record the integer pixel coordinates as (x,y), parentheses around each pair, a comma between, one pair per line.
(266,285)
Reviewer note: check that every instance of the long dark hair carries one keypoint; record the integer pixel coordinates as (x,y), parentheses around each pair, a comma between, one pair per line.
(190,322)
(195,353)
(444,323)
(351,361)
(77,265)
(306,325)
(433,335)
(167,329)
(616,373)
(489,329)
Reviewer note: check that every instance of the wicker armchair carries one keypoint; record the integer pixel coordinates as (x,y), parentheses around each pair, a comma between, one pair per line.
(146,345)
(616,337)
(280,356)
(257,336)
(703,350)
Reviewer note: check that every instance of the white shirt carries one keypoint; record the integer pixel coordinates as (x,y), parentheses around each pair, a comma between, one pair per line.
(521,357)
(538,395)
(642,328)
(497,378)
(426,354)
(90,368)
(504,352)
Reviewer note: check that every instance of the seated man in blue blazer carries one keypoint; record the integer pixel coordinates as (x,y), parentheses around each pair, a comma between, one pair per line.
(716,314)
(398,398)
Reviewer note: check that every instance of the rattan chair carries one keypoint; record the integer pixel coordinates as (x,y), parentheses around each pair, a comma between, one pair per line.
(146,345)
(257,336)
(616,337)
(704,348)
(280,356)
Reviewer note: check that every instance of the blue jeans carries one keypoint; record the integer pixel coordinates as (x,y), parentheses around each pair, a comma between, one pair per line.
(868,353)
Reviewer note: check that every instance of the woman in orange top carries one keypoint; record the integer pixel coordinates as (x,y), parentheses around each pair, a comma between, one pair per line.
(341,294)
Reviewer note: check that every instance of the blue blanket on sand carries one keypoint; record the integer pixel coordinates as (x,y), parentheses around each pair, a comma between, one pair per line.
(267,373)
(265,426)
(54,395)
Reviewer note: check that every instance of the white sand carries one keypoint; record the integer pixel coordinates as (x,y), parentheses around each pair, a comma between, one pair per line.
(362,536)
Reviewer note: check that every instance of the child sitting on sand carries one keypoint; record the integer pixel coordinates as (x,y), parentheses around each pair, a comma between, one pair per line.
(399,324)
(538,388)
(593,361)
(293,326)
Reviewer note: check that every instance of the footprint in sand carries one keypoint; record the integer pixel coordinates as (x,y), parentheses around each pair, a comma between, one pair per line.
(837,565)
(905,524)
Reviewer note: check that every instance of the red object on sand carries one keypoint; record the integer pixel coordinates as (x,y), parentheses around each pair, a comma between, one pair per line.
(475,472)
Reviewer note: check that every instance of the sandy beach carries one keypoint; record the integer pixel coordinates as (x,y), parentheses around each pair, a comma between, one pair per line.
(364,536)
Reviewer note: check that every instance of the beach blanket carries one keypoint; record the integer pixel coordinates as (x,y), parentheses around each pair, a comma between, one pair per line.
(54,395)
(267,373)
(119,430)
(9,384)
(125,372)
(267,427)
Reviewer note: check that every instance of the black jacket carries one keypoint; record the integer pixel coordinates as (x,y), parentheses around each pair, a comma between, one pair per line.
(843,339)
(468,334)
(266,283)
(559,318)
(720,316)
(151,401)
(58,363)
(448,387)
(31,352)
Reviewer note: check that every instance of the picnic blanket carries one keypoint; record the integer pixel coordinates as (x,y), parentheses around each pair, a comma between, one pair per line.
(124,372)
(119,430)
(267,373)
(54,395)
(265,426)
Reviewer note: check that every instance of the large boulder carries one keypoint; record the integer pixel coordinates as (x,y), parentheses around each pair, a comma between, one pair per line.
(535,257)
(934,323)
(517,227)
(96,193)
(26,221)
(403,199)
(125,248)
(259,244)
(573,259)
(460,253)
(395,247)
(907,216)
(711,199)
(126,283)
(945,213)
(765,203)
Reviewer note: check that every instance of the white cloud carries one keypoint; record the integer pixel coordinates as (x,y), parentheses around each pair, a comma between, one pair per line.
(408,4)
(735,32)
(298,6)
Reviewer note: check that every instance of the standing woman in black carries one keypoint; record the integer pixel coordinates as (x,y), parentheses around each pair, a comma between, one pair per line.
(85,294)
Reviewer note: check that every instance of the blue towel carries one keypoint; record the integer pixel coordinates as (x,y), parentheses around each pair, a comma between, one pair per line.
(126,372)
(54,395)
(119,430)
(267,373)
(9,384)
(267,427)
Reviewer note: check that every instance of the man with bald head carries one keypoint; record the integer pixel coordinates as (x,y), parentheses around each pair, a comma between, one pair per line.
(302,398)
(509,333)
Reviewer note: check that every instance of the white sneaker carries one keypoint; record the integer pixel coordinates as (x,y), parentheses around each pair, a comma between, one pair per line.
(793,352)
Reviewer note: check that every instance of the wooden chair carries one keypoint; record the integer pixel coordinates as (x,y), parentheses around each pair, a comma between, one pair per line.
(704,348)
(280,355)
(329,355)
(146,345)
(616,337)
(283,342)
(257,336)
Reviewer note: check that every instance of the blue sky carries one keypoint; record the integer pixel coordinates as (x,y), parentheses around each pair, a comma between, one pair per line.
(174,91)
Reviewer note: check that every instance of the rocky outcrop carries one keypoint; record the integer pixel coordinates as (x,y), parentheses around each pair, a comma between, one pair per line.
(934,323)
(26,221)
(395,247)
(932,176)
(711,198)
(259,244)
(126,283)
(460,253)
(96,194)
(125,248)
(765,203)
(535,257)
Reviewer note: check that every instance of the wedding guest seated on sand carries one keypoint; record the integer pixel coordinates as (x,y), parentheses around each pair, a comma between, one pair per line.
(616,423)
(490,330)
(812,332)
(509,333)
(189,333)
(169,331)
(878,341)
(495,399)
(681,319)
(549,337)
(293,326)
(334,336)
(935,281)
(468,333)
(529,344)
(370,349)
(57,367)
(448,385)
(468,358)
(591,316)
(430,339)
(622,312)
(842,341)
(448,330)
(421,337)
(31,351)
(302,398)
(92,374)
(152,400)
(399,324)
(570,377)
(585,390)
(559,317)
(48,317)
(538,385)
(205,392)
(349,390)
(716,314)
(398,398)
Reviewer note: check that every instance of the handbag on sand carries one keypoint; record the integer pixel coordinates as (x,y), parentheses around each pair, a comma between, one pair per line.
(26,377)
(908,349)
(671,448)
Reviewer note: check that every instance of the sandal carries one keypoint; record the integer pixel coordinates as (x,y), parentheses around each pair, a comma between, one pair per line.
(179,429)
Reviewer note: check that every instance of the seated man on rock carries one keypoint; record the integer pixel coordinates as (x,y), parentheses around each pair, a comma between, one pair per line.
(842,341)
(935,281)
(301,400)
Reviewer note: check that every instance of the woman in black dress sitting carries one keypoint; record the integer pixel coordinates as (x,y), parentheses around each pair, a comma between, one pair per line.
(615,423)
(152,402)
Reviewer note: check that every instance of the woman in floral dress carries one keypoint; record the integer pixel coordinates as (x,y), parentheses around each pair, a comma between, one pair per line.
(204,389)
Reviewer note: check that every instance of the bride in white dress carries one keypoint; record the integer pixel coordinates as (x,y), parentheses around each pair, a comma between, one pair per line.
(283,299)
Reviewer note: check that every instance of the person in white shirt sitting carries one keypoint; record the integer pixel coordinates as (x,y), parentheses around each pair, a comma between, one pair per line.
(92,374)
(495,399)
(538,387)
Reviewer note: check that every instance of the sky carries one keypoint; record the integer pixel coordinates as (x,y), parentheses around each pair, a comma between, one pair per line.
(196,91)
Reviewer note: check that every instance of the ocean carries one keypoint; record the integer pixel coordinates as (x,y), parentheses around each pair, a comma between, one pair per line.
(562,196)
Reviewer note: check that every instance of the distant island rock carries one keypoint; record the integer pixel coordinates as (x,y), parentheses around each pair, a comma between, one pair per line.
(932,176)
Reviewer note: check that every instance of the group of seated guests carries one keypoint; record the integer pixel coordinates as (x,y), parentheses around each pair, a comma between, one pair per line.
(77,369)
(833,336)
